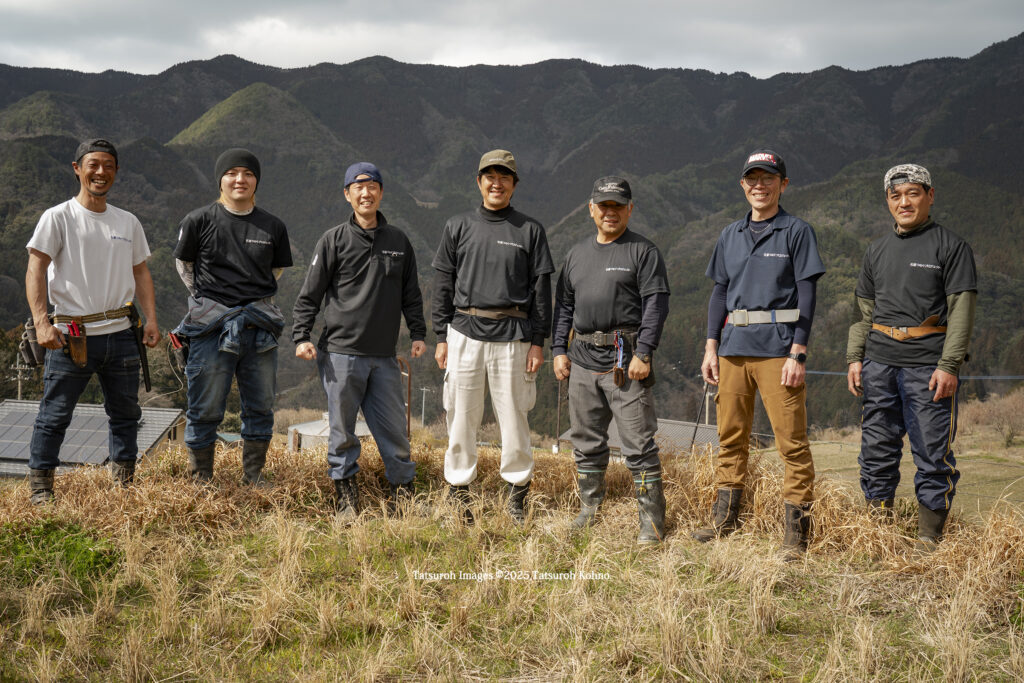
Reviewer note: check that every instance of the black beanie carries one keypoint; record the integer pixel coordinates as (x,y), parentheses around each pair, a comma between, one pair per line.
(236,156)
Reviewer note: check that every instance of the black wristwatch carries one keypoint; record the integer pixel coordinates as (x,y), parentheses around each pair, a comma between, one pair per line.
(800,358)
(643,357)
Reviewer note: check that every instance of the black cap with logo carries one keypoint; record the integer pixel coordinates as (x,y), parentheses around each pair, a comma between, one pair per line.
(611,188)
(767,160)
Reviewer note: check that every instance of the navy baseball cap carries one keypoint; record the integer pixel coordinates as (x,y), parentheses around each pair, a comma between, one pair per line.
(767,160)
(611,188)
(363,168)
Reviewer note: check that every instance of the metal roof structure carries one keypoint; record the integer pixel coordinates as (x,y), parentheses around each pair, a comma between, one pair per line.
(673,436)
(306,435)
(86,441)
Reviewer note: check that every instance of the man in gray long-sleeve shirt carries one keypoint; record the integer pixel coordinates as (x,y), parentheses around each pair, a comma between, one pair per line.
(364,273)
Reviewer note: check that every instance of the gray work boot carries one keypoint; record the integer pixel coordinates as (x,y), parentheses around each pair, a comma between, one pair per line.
(930,524)
(254,457)
(200,463)
(798,532)
(650,499)
(462,499)
(725,517)
(40,483)
(881,508)
(346,505)
(517,502)
(123,471)
(592,490)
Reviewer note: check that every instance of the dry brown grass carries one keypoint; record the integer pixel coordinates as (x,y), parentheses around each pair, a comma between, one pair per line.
(227,582)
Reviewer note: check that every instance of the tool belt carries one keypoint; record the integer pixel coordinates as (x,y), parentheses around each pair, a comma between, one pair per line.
(495,313)
(606,338)
(113,314)
(927,326)
(742,318)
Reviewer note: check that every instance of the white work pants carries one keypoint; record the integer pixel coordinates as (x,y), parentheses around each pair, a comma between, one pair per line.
(472,366)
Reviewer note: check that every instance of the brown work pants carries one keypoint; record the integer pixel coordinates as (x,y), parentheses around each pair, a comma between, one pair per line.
(739,378)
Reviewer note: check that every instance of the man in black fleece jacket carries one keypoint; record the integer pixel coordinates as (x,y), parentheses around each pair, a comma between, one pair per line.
(364,273)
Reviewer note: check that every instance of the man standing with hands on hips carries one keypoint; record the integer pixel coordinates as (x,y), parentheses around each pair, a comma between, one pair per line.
(492,311)
(613,292)
(765,268)
(364,274)
(91,258)
(916,294)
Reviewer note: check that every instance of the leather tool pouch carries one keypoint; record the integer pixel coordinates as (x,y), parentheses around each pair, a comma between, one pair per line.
(619,376)
(76,348)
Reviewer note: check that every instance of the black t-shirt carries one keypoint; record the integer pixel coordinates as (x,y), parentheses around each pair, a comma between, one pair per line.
(234,256)
(604,284)
(909,277)
(496,256)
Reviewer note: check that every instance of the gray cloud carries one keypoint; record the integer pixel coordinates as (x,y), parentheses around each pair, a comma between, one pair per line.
(759,38)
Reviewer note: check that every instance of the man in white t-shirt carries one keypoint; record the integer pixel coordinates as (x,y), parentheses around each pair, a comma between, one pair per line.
(91,256)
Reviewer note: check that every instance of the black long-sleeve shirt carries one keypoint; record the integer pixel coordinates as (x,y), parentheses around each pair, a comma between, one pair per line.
(366,280)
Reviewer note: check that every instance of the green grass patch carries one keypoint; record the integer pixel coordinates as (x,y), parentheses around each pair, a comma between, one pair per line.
(47,547)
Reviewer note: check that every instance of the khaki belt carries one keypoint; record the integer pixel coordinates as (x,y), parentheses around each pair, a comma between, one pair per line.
(494,313)
(742,318)
(113,314)
(604,338)
(904,333)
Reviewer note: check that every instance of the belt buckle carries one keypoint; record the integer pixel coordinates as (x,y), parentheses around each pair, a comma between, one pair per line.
(736,314)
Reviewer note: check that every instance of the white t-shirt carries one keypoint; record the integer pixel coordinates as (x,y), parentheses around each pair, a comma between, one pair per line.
(91,259)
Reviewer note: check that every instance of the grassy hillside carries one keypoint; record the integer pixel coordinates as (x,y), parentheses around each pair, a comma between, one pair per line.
(172,580)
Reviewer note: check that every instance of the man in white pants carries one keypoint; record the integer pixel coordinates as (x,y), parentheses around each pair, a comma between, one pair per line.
(491,313)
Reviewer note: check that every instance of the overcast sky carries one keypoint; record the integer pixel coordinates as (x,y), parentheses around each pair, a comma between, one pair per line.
(761,37)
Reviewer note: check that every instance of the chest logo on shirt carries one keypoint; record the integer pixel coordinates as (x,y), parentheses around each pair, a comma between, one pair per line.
(618,269)
(268,243)
(120,239)
(511,244)
(392,253)
(769,254)
(914,264)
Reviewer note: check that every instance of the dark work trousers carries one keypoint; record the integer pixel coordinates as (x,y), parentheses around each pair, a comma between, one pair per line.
(593,401)
(897,402)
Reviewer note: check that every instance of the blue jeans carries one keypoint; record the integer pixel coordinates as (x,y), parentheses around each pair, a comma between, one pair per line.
(897,402)
(113,358)
(373,383)
(209,372)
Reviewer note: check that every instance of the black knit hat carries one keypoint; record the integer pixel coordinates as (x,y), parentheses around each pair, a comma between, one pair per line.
(95,145)
(236,156)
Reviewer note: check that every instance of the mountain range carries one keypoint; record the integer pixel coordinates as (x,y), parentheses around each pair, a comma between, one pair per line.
(680,136)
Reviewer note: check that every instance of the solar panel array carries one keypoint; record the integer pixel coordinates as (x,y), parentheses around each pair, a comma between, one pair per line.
(86,441)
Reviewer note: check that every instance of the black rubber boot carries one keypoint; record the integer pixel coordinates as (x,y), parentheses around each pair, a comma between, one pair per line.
(40,483)
(650,498)
(725,517)
(346,500)
(930,524)
(592,490)
(123,472)
(200,463)
(517,502)
(254,457)
(881,508)
(462,499)
(401,497)
(798,532)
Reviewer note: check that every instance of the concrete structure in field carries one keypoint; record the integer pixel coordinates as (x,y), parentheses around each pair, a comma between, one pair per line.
(307,435)
(86,441)
(673,436)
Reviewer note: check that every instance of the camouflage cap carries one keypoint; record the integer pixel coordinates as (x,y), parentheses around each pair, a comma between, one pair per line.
(906,173)
(501,158)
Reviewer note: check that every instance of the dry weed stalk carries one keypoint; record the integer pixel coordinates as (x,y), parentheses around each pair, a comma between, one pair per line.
(133,661)
(77,629)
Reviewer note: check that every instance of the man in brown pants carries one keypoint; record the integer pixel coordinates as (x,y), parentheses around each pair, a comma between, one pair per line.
(765,267)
